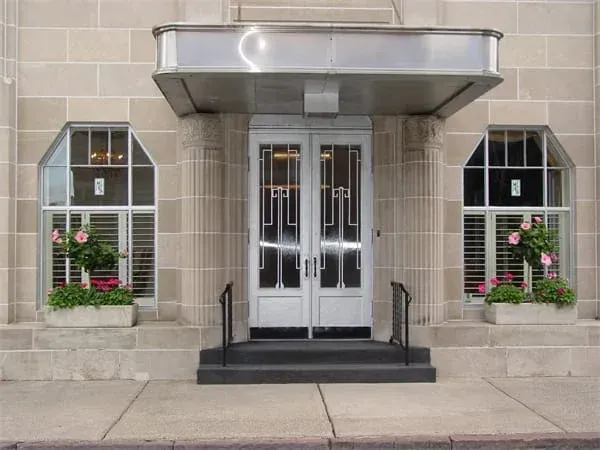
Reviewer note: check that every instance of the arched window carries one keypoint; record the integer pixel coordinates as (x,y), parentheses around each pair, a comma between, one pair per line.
(513,175)
(103,177)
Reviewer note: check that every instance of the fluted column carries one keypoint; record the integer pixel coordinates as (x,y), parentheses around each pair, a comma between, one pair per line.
(201,220)
(422,175)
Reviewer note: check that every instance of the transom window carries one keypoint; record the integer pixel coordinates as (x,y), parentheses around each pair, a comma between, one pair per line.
(103,177)
(513,175)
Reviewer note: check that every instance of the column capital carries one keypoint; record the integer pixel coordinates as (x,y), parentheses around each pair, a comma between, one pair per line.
(424,131)
(201,130)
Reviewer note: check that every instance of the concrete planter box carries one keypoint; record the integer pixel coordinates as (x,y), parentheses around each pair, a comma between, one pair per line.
(530,314)
(92,317)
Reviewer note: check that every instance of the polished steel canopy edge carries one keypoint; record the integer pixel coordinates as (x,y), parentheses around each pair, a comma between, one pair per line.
(324,69)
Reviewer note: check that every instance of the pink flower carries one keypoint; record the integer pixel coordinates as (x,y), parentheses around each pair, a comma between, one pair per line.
(561,291)
(50,291)
(129,288)
(509,277)
(56,236)
(537,219)
(514,238)
(481,288)
(495,281)
(124,253)
(58,241)
(551,275)
(553,257)
(546,260)
(525,226)
(524,285)
(81,237)
(83,285)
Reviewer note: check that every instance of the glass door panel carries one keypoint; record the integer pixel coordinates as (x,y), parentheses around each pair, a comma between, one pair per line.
(279,224)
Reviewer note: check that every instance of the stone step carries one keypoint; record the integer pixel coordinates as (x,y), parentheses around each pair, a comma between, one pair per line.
(513,361)
(314,352)
(315,373)
(480,334)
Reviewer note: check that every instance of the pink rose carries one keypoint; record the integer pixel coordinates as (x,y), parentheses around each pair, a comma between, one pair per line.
(509,277)
(81,237)
(124,253)
(553,257)
(514,238)
(525,226)
(551,275)
(481,288)
(546,260)
(56,236)
(561,291)
(495,281)
(537,219)
(524,285)
(83,285)
(58,241)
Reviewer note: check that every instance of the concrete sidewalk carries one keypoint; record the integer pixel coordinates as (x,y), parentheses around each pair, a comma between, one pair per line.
(130,411)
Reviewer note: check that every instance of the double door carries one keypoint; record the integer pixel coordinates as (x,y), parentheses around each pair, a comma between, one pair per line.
(310,257)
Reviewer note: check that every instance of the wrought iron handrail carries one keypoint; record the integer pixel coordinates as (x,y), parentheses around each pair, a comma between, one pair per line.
(400,302)
(226,301)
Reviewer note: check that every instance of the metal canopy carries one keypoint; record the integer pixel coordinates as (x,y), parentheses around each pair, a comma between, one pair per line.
(322,69)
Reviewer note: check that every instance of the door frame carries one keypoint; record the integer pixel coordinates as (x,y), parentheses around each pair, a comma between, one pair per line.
(288,126)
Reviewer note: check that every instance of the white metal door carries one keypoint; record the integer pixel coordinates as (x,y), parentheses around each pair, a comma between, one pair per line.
(310,260)
(341,235)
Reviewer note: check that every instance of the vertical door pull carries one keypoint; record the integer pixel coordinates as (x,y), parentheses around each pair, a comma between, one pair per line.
(306,267)
(315,267)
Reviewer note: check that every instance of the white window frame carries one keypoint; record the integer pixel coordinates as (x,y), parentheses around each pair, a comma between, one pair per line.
(489,211)
(130,209)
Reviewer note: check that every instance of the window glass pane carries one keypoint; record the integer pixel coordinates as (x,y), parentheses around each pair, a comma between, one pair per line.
(143,255)
(474,182)
(516,187)
(55,186)
(516,148)
(505,263)
(534,145)
(143,185)
(140,158)
(112,230)
(99,186)
(59,155)
(99,147)
(496,148)
(557,187)
(477,158)
(118,147)
(79,147)
(474,252)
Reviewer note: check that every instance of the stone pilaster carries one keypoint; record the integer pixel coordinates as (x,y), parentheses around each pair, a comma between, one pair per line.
(422,223)
(201,222)
(8,160)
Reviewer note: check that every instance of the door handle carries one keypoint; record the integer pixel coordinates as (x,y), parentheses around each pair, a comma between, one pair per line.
(306,267)
(315,267)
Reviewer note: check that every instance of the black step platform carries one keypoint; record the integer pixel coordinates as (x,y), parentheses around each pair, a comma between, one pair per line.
(314,362)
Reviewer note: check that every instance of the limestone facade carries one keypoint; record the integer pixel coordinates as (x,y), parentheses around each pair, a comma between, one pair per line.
(91,61)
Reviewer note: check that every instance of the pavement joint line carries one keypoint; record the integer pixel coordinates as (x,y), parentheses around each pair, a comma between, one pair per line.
(564,430)
(118,419)
(326,410)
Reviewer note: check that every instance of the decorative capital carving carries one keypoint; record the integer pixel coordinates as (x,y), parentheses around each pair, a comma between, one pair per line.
(201,130)
(424,132)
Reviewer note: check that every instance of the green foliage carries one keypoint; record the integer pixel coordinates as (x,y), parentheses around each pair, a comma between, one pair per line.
(506,293)
(534,240)
(84,248)
(74,294)
(553,290)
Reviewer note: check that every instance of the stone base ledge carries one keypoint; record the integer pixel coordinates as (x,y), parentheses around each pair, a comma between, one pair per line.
(551,441)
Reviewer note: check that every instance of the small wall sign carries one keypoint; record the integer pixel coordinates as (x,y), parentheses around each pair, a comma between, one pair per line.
(515,188)
(99,186)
